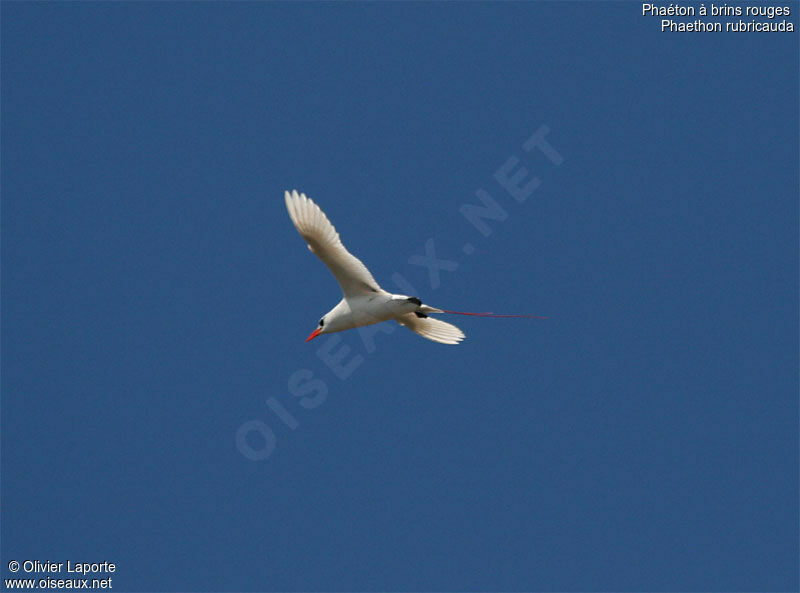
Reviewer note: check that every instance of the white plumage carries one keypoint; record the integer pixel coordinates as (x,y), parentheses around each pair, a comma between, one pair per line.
(324,242)
(364,302)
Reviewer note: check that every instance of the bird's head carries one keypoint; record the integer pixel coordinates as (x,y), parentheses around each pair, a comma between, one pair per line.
(320,330)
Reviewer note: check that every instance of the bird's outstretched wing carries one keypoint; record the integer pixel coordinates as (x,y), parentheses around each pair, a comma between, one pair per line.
(324,242)
(432,329)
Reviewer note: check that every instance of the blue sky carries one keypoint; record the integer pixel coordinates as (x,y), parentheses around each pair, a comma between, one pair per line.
(156,298)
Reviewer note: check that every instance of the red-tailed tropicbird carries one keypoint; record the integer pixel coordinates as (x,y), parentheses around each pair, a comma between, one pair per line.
(364,301)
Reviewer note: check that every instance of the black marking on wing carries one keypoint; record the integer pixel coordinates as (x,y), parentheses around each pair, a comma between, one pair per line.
(368,287)
(420,315)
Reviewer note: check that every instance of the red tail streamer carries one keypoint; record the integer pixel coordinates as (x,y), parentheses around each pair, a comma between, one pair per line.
(494,315)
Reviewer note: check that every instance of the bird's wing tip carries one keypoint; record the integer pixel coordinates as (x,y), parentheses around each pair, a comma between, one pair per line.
(435,330)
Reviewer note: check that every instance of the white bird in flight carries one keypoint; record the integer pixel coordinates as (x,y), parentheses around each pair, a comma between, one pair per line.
(364,302)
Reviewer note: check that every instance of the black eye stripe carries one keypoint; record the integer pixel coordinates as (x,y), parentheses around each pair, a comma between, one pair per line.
(321,322)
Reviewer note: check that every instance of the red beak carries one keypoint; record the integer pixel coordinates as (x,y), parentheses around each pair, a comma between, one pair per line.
(313,335)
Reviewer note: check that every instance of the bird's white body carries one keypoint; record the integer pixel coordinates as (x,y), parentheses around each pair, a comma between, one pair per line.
(360,310)
(364,301)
